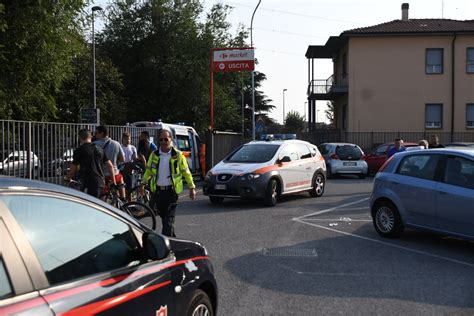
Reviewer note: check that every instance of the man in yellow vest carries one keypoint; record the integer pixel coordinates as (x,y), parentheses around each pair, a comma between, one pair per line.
(166,167)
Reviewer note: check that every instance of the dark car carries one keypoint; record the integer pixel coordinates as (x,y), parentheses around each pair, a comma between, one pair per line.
(64,252)
(378,156)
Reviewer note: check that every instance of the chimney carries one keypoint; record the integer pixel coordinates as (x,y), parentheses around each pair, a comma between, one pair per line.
(405,11)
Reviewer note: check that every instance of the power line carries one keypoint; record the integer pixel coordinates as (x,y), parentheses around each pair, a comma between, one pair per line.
(289,33)
(296,14)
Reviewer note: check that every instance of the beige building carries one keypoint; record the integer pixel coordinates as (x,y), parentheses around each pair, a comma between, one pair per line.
(404,75)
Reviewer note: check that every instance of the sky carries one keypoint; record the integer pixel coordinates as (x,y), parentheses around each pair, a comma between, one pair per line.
(283,30)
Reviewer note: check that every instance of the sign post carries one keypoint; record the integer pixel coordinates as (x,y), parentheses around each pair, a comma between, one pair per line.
(229,60)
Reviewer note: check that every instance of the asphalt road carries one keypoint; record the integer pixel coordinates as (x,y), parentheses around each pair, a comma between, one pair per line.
(312,256)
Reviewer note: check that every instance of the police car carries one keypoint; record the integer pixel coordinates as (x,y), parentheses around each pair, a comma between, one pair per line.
(266,170)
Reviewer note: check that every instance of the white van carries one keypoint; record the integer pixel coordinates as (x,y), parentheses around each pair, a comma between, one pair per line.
(185,138)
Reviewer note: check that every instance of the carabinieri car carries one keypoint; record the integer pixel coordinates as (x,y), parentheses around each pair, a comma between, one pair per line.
(63,252)
(266,170)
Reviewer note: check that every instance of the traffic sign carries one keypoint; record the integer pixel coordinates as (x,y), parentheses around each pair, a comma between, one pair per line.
(90,116)
(232,60)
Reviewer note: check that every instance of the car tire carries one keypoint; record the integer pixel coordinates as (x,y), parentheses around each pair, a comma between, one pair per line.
(318,185)
(200,305)
(271,193)
(386,219)
(216,199)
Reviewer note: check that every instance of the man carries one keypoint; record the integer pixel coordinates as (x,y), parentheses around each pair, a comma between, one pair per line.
(397,148)
(434,142)
(114,152)
(166,168)
(130,155)
(90,158)
(145,147)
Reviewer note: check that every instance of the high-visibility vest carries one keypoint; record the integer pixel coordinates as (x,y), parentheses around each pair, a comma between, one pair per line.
(178,168)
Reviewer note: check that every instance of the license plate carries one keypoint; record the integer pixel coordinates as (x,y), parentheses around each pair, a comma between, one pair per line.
(220,187)
(349,163)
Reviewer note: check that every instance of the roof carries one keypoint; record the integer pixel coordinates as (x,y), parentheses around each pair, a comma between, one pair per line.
(415,26)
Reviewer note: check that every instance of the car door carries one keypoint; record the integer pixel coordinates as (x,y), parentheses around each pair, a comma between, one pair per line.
(86,259)
(414,184)
(376,159)
(307,166)
(455,196)
(289,170)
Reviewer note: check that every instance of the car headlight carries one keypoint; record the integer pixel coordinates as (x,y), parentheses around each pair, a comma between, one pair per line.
(209,175)
(250,176)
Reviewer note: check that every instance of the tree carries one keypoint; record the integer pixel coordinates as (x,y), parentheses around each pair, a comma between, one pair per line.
(294,122)
(329,112)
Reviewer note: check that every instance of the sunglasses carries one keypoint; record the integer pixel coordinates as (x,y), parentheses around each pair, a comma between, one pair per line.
(164,140)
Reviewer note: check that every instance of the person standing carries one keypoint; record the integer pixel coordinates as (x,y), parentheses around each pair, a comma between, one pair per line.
(90,158)
(166,168)
(145,147)
(434,142)
(114,152)
(397,148)
(130,155)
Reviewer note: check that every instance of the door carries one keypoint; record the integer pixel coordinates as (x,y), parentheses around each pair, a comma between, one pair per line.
(307,164)
(290,171)
(376,159)
(415,187)
(90,259)
(455,197)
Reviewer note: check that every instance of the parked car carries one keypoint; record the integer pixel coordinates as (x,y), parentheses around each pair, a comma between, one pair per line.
(66,253)
(425,189)
(266,170)
(16,164)
(343,158)
(60,166)
(376,158)
(460,144)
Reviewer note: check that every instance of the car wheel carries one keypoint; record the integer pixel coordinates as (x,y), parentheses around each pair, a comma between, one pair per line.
(318,186)
(387,220)
(200,305)
(216,199)
(271,193)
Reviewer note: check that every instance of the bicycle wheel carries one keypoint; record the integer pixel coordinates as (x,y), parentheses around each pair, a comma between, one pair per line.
(140,212)
(145,198)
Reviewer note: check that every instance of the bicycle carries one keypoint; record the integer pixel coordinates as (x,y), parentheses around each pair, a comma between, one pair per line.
(145,198)
(140,211)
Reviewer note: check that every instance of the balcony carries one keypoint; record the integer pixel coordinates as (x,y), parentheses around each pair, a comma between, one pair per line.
(329,89)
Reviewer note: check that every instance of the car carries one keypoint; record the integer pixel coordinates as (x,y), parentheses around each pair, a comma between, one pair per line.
(425,189)
(65,252)
(16,164)
(267,170)
(460,144)
(343,158)
(376,158)
(60,166)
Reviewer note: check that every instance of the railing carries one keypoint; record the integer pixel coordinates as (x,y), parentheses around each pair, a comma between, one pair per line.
(326,86)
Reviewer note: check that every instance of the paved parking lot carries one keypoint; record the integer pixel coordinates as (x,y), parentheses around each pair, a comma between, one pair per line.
(310,256)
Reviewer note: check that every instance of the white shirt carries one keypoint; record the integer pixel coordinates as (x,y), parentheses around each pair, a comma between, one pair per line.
(164,174)
(130,152)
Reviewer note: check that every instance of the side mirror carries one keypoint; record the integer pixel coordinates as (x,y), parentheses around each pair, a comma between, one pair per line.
(284,159)
(155,246)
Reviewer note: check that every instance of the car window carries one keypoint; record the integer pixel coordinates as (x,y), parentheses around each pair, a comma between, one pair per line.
(72,240)
(304,151)
(459,172)
(323,149)
(183,143)
(290,151)
(381,150)
(314,151)
(6,290)
(419,166)
(348,152)
(253,153)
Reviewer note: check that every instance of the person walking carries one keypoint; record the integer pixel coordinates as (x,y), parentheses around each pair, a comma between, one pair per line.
(397,148)
(434,142)
(90,158)
(130,155)
(166,168)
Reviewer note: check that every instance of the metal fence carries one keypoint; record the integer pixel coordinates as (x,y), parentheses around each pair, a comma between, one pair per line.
(43,150)
(220,144)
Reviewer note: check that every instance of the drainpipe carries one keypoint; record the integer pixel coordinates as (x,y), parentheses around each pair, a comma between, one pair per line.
(452,86)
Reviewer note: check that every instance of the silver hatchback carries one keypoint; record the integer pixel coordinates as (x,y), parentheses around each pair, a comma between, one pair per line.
(344,158)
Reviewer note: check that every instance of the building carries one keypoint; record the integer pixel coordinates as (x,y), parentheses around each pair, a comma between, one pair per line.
(404,75)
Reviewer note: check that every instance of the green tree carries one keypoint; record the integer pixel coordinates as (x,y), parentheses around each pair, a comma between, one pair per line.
(329,112)
(294,122)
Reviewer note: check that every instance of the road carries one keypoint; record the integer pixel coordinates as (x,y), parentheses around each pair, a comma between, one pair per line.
(309,256)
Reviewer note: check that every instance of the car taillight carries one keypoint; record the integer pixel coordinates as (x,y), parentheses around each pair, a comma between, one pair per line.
(334,156)
(385,164)
(363,157)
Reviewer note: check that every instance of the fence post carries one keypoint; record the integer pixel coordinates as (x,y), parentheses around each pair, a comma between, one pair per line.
(28,153)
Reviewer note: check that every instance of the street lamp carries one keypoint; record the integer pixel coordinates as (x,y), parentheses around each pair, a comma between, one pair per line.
(253,74)
(95,8)
(283,120)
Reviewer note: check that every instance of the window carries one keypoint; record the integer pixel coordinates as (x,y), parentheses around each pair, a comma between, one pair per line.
(470,115)
(344,117)
(304,151)
(459,172)
(348,152)
(434,61)
(183,143)
(470,60)
(323,149)
(419,166)
(253,153)
(6,290)
(381,150)
(434,116)
(290,151)
(72,240)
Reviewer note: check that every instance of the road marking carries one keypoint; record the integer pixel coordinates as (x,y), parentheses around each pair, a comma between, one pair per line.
(471,265)
(337,220)
(330,209)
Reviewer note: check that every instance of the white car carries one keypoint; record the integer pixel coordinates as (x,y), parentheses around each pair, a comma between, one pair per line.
(266,170)
(16,164)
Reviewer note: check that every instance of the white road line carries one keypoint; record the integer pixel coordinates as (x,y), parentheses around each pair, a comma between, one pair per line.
(471,265)
(330,209)
(338,220)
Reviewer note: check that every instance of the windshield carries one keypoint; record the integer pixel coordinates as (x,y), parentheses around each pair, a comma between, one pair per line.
(253,153)
(348,152)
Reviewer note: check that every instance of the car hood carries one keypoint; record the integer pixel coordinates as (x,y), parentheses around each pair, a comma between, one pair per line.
(236,168)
